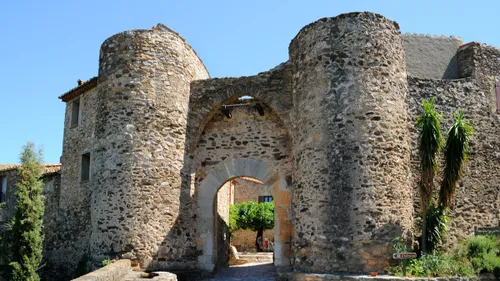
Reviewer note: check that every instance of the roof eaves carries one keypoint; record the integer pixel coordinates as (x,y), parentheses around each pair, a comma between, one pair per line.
(48,168)
(75,92)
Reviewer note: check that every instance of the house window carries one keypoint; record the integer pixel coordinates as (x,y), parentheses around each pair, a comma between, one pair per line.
(265,199)
(75,112)
(3,189)
(85,168)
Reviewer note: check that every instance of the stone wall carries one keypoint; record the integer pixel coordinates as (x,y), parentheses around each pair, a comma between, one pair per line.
(74,228)
(116,271)
(351,173)
(8,208)
(332,131)
(477,199)
(223,200)
(247,134)
(431,56)
(141,199)
(249,190)
(51,218)
(272,88)
(6,213)
(481,62)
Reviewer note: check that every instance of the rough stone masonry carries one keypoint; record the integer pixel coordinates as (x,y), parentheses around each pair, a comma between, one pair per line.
(331,132)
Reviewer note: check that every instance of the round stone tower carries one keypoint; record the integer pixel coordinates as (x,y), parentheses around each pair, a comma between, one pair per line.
(139,179)
(352,191)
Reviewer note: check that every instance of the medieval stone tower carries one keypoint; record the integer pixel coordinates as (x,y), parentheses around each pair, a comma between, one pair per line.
(349,91)
(151,140)
(139,160)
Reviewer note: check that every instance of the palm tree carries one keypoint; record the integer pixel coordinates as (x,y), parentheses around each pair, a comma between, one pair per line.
(456,152)
(430,142)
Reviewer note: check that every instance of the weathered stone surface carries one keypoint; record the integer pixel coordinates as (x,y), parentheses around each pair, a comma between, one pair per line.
(141,197)
(245,141)
(51,191)
(334,134)
(477,199)
(115,271)
(431,57)
(351,143)
(73,228)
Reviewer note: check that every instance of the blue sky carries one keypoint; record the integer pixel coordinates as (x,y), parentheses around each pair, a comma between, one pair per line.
(46,46)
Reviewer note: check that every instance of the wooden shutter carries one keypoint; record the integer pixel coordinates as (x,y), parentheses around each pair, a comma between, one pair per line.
(497,90)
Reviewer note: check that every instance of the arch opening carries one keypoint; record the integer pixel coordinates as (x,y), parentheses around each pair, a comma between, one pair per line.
(244,137)
(245,242)
(209,231)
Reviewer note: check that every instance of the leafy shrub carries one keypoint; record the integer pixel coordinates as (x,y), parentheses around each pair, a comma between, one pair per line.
(426,266)
(399,244)
(482,253)
(105,262)
(439,265)
(477,254)
(436,226)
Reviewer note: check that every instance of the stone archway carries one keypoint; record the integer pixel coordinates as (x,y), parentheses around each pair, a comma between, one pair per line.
(230,169)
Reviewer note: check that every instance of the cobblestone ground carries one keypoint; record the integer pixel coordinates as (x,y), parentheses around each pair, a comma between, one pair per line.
(246,272)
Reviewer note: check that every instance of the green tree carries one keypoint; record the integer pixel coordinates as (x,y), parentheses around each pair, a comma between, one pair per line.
(430,142)
(27,221)
(252,216)
(455,155)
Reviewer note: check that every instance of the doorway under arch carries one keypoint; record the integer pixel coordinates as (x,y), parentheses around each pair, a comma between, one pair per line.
(227,170)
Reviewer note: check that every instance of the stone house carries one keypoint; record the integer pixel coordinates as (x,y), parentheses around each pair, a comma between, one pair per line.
(151,140)
(9,176)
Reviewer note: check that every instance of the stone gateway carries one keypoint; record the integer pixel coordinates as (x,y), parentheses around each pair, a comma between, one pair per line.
(151,140)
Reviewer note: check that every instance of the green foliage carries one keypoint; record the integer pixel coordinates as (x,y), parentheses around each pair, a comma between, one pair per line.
(252,216)
(430,138)
(430,142)
(436,226)
(491,264)
(478,254)
(233,218)
(482,252)
(437,265)
(426,266)
(106,261)
(399,244)
(456,152)
(27,221)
